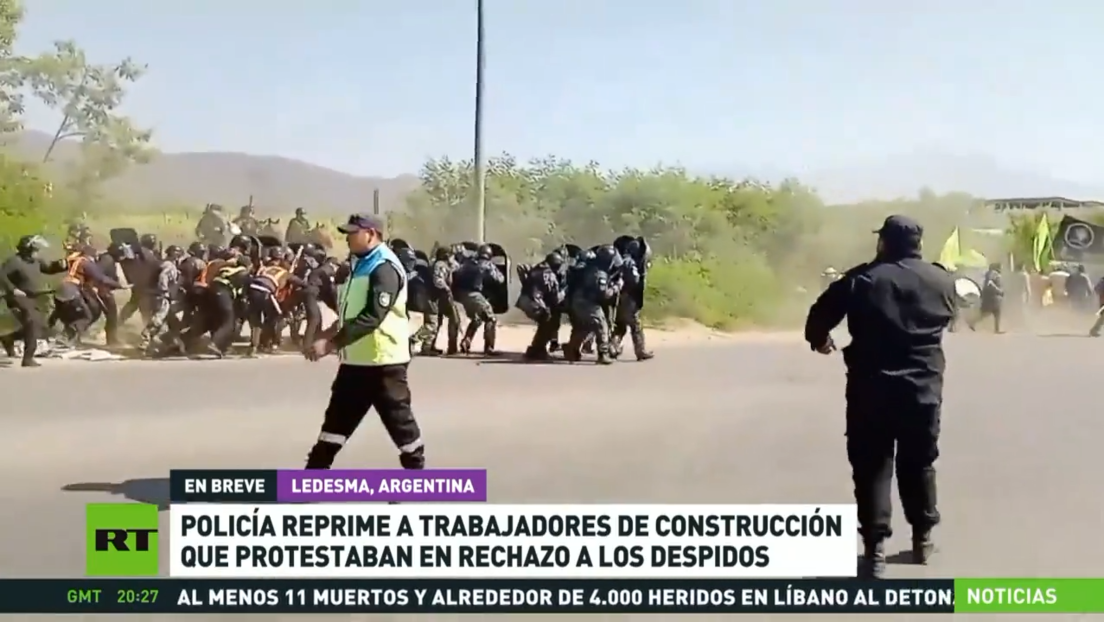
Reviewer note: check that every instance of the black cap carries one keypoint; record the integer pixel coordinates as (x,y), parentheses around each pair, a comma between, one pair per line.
(900,227)
(361,222)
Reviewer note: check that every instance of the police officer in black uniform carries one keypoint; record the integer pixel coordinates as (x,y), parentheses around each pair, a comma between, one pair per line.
(24,287)
(897,307)
(468,281)
(542,301)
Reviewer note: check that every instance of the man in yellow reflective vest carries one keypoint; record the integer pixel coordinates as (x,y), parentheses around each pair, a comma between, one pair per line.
(372,339)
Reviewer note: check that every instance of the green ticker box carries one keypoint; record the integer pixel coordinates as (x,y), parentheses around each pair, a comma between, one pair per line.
(121,540)
(1029,595)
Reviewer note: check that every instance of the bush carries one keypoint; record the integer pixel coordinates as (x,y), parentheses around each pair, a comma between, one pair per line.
(726,253)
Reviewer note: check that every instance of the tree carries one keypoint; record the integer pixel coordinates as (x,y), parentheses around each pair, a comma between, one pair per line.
(88,97)
(11,67)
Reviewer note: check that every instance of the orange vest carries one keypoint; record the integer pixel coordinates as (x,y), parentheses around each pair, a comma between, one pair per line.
(75,275)
(210,271)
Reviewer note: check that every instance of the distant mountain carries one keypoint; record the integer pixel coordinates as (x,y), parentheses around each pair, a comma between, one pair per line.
(230,178)
(905,174)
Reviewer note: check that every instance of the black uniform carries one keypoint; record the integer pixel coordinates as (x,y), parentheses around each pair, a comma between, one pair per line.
(897,308)
(24,288)
(992,298)
(357,388)
(542,301)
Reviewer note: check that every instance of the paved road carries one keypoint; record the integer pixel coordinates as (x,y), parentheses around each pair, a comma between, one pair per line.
(740,423)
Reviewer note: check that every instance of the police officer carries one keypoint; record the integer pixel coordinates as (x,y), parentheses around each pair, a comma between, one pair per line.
(440,305)
(897,307)
(371,337)
(141,272)
(298,229)
(469,280)
(627,314)
(167,302)
(212,227)
(247,221)
(542,301)
(595,292)
(992,298)
(24,287)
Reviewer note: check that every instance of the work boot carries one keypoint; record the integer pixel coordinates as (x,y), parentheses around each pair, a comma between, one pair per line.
(922,546)
(644,355)
(452,350)
(604,358)
(430,350)
(873,562)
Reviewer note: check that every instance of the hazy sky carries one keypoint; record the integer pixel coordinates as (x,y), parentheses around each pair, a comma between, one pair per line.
(373,87)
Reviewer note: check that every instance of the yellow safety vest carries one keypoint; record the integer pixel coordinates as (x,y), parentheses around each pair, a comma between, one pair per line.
(389,344)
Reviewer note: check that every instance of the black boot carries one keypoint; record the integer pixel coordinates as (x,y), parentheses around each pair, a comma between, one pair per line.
(922,546)
(873,562)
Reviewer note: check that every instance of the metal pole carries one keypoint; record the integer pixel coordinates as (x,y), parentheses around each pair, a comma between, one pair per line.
(375,202)
(480,165)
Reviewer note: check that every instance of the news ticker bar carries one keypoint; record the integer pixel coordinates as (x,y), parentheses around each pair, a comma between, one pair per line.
(609,596)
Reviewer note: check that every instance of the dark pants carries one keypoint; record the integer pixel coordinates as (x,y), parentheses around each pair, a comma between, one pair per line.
(215,314)
(111,318)
(884,428)
(140,302)
(989,309)
(354,392)
(264,315)
(307,300)
(32,325)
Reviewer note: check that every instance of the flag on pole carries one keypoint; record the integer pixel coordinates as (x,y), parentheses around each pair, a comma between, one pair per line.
(1042,247)
(951,254)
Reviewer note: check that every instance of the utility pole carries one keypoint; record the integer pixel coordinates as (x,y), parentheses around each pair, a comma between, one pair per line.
(480,165)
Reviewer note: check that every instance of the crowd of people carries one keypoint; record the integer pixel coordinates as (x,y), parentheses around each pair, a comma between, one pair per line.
(198,300)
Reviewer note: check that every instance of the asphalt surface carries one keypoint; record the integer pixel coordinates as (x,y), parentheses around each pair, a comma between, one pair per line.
(740,423)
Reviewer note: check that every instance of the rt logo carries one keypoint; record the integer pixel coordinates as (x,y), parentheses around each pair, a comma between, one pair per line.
(121,540)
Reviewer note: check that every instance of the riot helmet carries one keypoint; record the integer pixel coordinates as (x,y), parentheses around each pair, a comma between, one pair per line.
(484,252)
(300,212)
(173,252)
(148,241)
(442,253)
(554,260)
(30,244)
(197,249)
(240,243)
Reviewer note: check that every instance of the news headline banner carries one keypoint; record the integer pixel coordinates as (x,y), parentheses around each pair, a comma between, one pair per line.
(512,541)
(444,596)
(356,486)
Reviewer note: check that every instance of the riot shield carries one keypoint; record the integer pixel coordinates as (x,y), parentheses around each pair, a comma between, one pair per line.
(968,291)
(498,294)
(622,244)
(125,237)
(643,263)
(269,241)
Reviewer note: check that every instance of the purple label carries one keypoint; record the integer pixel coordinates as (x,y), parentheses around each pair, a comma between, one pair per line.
(362,486)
